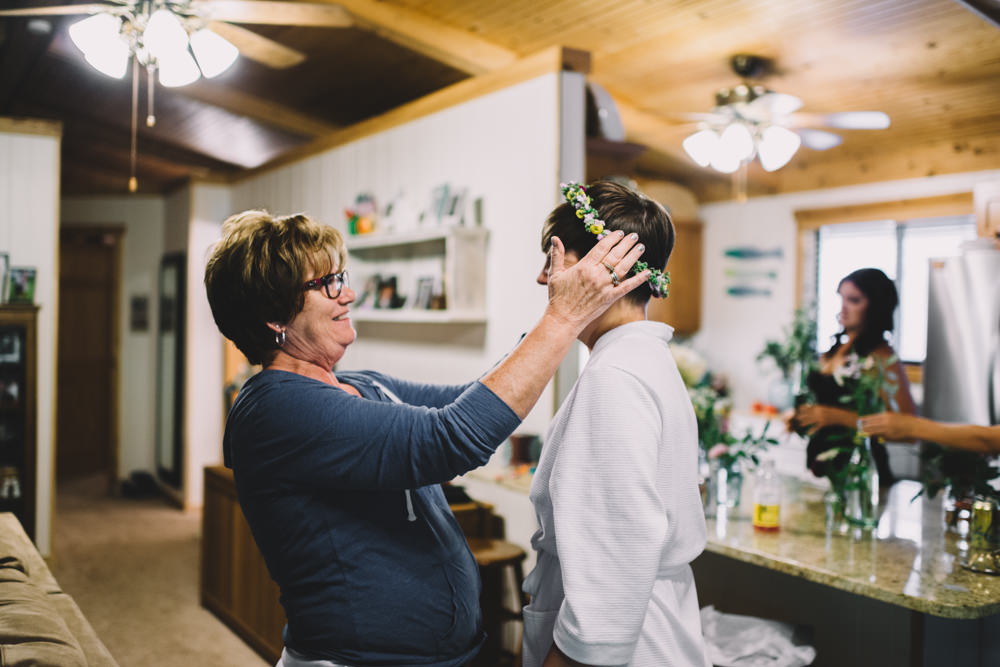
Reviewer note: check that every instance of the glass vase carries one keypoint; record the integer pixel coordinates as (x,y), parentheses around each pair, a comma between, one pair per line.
(861,487)
(725,483)
(833,503)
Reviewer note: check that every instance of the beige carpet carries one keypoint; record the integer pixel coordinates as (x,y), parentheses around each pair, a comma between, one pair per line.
(132,567)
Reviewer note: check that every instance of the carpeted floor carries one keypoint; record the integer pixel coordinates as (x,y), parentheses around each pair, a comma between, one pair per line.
(132,567)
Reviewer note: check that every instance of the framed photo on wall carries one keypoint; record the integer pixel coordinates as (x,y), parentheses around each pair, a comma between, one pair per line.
(22,285)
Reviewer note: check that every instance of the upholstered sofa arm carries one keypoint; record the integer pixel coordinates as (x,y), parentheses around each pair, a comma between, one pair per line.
(40,626)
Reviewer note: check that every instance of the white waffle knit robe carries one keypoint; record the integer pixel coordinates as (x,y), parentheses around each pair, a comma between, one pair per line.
(620,515)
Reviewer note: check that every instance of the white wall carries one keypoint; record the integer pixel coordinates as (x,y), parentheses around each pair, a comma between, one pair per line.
(504,148)
(29,231)
(734,329)
(203,398)
(142,247)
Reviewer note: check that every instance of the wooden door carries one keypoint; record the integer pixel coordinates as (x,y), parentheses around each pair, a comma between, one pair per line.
(87,372)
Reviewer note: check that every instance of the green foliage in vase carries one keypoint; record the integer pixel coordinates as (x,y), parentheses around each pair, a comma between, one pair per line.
(967,473)
(748,448)
(871,382)
(798,348)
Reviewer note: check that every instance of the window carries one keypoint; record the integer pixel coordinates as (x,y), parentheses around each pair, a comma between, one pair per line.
(900,249)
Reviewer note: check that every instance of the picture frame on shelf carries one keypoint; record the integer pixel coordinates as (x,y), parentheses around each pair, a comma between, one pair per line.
(425,290)
(22,284)
(4,275)
(369,293)
(10,347)
(437,207)
(454,213)
(387,294)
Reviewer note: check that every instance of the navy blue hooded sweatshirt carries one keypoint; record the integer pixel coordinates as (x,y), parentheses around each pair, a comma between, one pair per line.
(342,496)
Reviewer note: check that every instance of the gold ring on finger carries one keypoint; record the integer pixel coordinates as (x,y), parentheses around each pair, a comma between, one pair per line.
(614,278)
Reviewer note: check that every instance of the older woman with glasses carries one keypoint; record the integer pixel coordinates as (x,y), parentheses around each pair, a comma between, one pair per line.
(338,473)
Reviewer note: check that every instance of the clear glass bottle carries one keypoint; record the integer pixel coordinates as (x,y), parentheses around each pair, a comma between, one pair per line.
(767,497)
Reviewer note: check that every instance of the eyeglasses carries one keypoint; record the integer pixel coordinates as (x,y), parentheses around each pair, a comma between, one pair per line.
(333,283)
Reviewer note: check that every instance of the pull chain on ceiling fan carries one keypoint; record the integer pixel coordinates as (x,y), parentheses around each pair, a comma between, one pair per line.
(751,121)
(179,40)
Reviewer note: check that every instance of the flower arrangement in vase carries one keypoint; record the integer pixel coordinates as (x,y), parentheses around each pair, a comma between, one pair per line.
(794,356)
(851,469)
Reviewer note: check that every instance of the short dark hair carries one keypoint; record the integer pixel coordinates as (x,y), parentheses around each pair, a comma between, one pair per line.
(256,272)
(623,209)
(882,301)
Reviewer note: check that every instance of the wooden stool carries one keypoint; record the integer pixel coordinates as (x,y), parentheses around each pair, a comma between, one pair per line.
(494,558)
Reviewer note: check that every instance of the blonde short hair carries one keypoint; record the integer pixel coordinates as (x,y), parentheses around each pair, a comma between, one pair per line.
(256,272)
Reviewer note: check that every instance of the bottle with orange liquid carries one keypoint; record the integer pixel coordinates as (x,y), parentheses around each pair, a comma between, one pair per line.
(767,497)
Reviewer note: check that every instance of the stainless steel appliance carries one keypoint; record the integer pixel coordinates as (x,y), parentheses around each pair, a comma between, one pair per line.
(961,373)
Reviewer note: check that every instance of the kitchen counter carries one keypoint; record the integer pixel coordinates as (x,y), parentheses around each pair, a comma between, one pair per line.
(913,563)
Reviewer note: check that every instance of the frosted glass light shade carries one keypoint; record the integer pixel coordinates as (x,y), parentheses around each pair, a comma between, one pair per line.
(701,146)
(164,35)
(178,69)
(777,146)
(736,142)
(725,162)
(214,53)
(99,38)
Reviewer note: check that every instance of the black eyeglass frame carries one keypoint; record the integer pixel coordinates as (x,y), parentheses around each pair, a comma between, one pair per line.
(341,279)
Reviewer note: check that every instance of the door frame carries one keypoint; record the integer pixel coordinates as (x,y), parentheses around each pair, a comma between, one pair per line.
(114,393)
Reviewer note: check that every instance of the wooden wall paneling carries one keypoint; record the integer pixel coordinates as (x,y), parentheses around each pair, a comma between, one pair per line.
(903,209)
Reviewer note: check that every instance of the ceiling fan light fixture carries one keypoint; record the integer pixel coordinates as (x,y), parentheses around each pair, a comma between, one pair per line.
(214,53)
(164,35)
(178,69)
(701,146)
(777,146)
(736,142)
(99,38)
(725,162)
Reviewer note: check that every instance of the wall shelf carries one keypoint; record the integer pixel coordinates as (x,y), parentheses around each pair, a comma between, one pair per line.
(414,316)
(453,257)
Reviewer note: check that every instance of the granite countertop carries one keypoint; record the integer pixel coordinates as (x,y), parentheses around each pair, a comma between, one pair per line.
(909,560)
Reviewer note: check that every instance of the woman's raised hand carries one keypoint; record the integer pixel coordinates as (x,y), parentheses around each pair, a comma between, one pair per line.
(580,294)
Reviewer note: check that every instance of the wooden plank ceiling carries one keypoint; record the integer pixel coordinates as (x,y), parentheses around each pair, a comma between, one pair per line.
(932,65)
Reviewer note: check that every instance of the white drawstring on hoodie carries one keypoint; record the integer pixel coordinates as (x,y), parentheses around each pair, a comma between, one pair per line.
(410,516)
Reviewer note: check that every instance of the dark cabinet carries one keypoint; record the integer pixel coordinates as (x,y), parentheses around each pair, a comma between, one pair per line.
(18,417)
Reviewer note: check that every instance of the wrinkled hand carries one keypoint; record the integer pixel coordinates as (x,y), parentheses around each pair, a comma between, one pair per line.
(888,425)
(579,294)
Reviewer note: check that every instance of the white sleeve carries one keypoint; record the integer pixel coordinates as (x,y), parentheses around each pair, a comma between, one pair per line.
(610,519)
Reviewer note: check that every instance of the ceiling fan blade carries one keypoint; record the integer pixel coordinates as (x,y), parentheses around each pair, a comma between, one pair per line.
(858,120)
(257,47)
(693,117)
(60,10)
(775,104)
(275,13)
(819,140)
(845,120)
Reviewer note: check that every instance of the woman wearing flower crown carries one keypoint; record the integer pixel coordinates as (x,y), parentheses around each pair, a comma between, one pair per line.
(338,474)
(868,300)
(616,488)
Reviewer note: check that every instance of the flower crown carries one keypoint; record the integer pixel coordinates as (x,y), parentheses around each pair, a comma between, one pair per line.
(576,195)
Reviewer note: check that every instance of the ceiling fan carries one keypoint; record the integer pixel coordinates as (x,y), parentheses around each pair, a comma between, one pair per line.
(750,120)
(207,17)
(181,40)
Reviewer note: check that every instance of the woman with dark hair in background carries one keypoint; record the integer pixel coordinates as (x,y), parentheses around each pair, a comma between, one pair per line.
(868,301)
